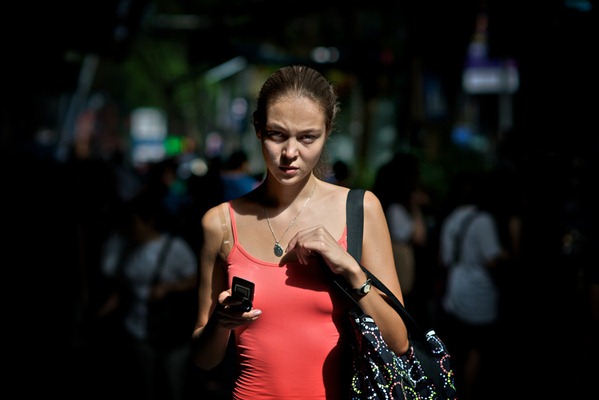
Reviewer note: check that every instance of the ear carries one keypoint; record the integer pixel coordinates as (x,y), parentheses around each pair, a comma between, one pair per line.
(259,134)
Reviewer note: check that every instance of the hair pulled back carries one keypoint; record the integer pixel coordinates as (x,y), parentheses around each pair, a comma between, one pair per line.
(298,81)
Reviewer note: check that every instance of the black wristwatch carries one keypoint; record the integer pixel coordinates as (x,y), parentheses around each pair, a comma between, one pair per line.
(364,289)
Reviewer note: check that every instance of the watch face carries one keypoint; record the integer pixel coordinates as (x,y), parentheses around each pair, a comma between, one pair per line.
(366,289)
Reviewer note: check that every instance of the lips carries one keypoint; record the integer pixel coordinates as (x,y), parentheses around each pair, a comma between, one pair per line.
(288,170)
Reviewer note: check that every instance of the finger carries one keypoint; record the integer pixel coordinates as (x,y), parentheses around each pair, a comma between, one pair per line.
(301,236)
(308,251)
(232,319)
(304,255)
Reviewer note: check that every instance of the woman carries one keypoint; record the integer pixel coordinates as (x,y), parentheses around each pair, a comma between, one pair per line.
(282,236)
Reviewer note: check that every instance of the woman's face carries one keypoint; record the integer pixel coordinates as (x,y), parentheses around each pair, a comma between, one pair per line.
(293,138)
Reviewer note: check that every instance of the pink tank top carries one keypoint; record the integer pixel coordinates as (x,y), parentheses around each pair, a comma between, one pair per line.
(293,351)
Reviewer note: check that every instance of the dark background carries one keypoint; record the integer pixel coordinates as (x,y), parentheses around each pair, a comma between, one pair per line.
(553,41)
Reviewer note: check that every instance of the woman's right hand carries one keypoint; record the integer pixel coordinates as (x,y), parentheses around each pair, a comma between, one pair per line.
(228,317)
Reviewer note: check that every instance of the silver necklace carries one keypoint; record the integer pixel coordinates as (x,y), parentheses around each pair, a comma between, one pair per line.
(278,250)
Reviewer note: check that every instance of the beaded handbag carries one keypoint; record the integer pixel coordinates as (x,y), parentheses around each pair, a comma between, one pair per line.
(423,372)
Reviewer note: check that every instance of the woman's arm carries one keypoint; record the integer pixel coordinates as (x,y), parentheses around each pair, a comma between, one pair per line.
(377,257)
(210,339)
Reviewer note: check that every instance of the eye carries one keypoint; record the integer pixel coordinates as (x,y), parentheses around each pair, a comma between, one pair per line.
(275,135)
(308,138)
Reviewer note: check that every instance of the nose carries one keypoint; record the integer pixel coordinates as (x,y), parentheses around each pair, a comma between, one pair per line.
(291,148)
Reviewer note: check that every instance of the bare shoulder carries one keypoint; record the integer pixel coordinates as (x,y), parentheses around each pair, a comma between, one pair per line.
(335,196)
(213,220)
(331,195)
(372,203)
(374,215)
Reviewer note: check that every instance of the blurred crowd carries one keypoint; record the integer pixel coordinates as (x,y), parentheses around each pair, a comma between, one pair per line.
(61,215)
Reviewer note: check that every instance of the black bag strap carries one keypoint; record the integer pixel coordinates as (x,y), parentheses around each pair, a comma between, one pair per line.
(354,217)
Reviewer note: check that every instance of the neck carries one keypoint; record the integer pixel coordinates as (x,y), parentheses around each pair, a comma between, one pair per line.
(281,196)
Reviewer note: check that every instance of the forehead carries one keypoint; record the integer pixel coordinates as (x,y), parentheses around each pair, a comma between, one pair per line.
(293,108)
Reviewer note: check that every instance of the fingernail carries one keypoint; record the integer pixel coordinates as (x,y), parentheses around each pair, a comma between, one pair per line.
(256,313)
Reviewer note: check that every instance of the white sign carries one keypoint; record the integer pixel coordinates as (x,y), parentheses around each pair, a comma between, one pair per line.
(148,133)
(491,79)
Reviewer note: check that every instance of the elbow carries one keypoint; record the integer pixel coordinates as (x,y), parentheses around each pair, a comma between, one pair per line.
(206,355)
(205,360)
(203,364)
(403,347)
(400,346)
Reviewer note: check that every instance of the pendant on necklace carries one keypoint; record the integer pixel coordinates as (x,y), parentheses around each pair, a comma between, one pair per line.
(278,250)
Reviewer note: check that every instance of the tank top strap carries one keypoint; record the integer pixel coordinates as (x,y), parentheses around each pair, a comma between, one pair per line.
(233,224)
(225,228)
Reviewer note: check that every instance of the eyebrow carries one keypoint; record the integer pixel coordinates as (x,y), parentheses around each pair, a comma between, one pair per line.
(277,127)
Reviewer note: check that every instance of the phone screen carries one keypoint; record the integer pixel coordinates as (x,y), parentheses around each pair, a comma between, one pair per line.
(243,290)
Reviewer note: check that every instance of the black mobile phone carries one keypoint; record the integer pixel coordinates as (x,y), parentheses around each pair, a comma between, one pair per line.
(244,290)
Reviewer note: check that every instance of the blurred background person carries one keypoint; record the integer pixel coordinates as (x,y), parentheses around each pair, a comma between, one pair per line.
(472,252)
(235,175)
(342,174)
(399,188)
(144,264)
